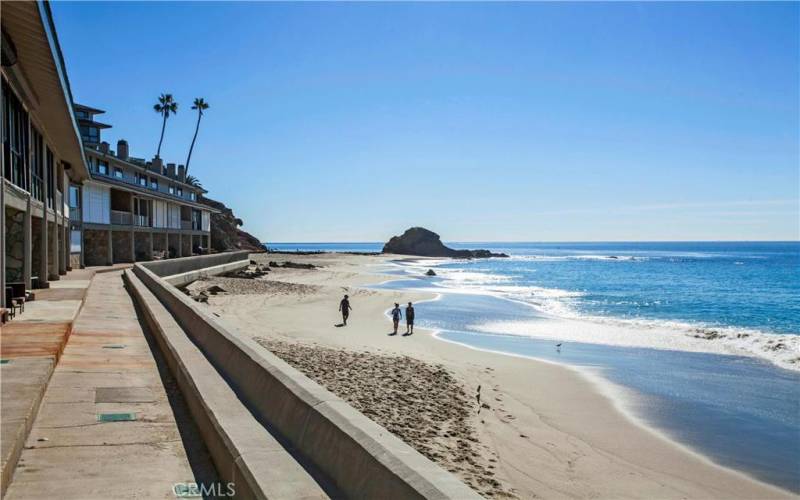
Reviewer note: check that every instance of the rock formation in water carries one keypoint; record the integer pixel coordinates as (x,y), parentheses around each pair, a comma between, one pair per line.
(225,232)
(425,243)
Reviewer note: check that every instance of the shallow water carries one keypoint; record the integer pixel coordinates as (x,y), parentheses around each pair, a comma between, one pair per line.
(741,412)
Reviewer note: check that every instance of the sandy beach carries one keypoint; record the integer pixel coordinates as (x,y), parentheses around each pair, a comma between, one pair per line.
(539,429)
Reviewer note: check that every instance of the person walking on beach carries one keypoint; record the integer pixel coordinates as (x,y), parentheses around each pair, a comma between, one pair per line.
(410,319)
(397,315)
(344,306)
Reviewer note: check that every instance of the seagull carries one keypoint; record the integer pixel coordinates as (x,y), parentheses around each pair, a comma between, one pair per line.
(558,346)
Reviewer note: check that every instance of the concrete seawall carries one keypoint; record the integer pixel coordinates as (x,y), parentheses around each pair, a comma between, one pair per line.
(357,456)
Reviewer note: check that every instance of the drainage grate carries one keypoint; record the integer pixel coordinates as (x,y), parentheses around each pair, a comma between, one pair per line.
(116,417)
(115,346)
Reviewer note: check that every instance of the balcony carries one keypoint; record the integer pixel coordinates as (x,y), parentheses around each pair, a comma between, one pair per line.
(121,218)
(186,224)
(74,214)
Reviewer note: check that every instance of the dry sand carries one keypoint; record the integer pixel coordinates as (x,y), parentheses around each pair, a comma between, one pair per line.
(550,431)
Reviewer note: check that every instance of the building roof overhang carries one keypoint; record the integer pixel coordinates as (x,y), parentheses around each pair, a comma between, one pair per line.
(40,73)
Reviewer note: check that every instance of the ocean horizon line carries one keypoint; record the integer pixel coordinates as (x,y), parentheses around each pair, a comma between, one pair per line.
(571,242)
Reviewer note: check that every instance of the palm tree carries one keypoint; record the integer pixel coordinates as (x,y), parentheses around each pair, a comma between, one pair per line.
(200,105)
(193,181)
(165,106)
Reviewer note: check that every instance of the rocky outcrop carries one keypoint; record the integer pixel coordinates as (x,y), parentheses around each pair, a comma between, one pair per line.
(425,243)
(225,232)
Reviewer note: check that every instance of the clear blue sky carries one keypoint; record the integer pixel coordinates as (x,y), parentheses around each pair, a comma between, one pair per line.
(523,121)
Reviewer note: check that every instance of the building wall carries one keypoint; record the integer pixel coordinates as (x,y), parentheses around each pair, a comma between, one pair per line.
(96,203)
(159,213)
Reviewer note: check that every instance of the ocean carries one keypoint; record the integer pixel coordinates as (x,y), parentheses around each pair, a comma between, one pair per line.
(700,340)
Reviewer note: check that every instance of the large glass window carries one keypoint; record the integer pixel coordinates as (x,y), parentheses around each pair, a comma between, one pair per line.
(102,167)
(171,189)
(90,134)
(118,172)
(15,139)
(153,183)
(50,173)
(141,180)
(37,167)
(179,192)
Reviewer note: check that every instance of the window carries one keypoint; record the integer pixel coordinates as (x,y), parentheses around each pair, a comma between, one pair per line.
(74,196)
(193,196)
(171,189)
(37,166)
(15,138)
(118,172)
(90,134)
(153,183)
(141,180)
(83,114)
(179,192)
(102,167)
(75,241)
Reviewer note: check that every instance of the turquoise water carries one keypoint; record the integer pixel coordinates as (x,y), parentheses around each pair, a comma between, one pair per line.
(703,335)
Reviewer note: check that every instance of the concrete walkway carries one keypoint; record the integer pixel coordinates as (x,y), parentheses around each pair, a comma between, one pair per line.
(112,422)
(30,346)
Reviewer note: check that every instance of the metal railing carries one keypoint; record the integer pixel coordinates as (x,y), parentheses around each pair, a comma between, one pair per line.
(186,224)
(121,218)
(141,220)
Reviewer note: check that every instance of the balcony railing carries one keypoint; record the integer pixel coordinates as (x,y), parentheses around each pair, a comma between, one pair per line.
(74,214)
(186,224)
(141,220)
(120,218)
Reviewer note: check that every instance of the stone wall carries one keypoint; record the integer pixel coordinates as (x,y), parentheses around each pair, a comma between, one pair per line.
(36,246)
(142,246)
(187,245)
(121,241)
(174,245)
(95,247)
(15,245)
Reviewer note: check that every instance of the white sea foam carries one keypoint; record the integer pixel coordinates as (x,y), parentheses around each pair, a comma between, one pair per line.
(781,349)
(561,320)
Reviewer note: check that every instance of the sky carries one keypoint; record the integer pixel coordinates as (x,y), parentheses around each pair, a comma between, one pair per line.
(480,121)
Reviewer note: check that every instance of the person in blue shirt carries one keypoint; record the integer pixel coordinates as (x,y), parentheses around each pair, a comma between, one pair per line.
(397,315)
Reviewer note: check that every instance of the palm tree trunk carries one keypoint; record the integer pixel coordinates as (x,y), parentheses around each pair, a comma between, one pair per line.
(163,126)
(191,148)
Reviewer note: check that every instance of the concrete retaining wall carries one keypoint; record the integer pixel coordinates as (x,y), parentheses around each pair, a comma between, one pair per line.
(185,264)
(244,452)
(361,458)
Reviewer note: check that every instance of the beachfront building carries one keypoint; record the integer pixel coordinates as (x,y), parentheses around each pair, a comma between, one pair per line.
(132,209)
(42,154)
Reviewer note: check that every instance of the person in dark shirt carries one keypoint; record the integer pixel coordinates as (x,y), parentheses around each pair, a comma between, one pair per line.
(397,315)
(410,319)
(344,307)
